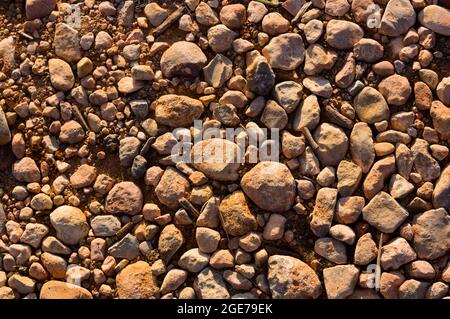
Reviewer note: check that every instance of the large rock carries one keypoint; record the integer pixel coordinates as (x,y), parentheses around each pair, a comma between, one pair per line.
(370,106)
(62,290)
(136,281)
(436,18)
(384,213)
(70,224)
(269,180)
(61,75)
(291,278)
(172,187)
(67,43)
(36,9)
(177,110)
(332,142)
(218,159)
(182,58)
(341,34)
(398,17)
(237,219)
(124,198)
(431,233)
(5,134)
(441,192)
(285,52)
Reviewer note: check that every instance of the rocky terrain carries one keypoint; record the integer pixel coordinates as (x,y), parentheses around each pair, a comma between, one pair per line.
(95,95)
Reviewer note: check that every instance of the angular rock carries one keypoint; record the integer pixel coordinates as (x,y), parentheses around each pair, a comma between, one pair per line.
(331,249)
(340,281)
(323,212)
(332,142)
(218,71)
(379,172)
(67,43)
(285,52)
(237,218)
(348,175)
(396,253)
(210,285)
(172,187)
(384,213)
(127,247)
(170,240)
(398,17)
(307,114)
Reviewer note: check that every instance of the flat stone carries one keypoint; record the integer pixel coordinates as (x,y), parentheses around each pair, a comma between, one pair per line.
(177,110)
(349,176)
(396,253)
(384,213)
(218,71)
(170,240)
(193,260)
(287,94)
(237,218)
(318,85)
(84,176)
(127,247)
(105,225)
(128,85)
(332,142)
(285,52)
(67,43)
(436,18)
(323,212)
(341,34)
(340,281)
(210,285)
(431,233)
(218,159)
(370,106)
(61,290)
(307,114)
(136,281)
(331,249)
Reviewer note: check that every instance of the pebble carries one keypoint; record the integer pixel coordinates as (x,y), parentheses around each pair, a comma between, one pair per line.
(340,281)
(70,224)
(136,281)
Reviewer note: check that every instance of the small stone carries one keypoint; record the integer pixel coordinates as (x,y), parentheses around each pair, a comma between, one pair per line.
(349,176)
(67,43)
(331,249)
(233,16)
(274,116)
(431,234)
(124,198)
(129,85)
(287,94)
(256,11)
(370,106)
(332,142)
(33,234)
(218,71)
(207,239)
(193,260)
(105,225)
(307,114)
(341,34)
(323,212)
(70,224)
(291,278)
(84,176)
(412,289)
(127,247)
(220,38)
(396,253)
(177,110)
(71,132)
(136,282)
(399,187)
(285,52)
(384,213)
(366,250)
(61,75)
(172,187)
(395,89)
(174,279)
(210,285)
(269,180)
(61,290)
(274,23)
(318,85)
(379,172)
(313,30)
(348,209)
(170,240)
(340,281)
(398,17)
(368,50)
(182,58)
(236,215)
(155,14)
